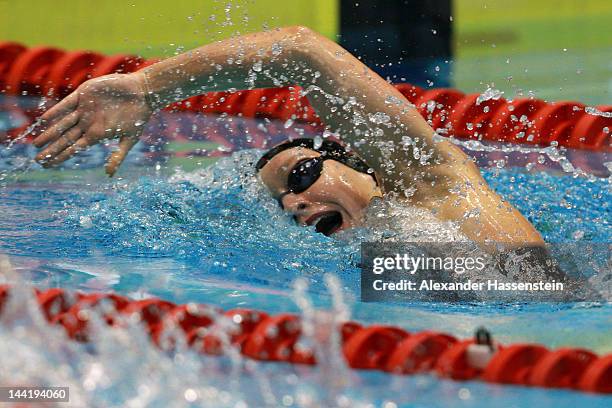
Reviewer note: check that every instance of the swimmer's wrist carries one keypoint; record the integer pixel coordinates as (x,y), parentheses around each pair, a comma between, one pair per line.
(151,98)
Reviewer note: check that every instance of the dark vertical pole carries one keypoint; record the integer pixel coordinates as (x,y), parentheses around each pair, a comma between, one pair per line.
(402,40)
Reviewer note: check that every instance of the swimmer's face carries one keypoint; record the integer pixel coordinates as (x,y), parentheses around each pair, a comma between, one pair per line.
(335,201)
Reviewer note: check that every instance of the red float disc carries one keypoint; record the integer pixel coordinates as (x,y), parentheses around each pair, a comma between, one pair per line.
(506,123)
(419,352)
(370,347)
(561,133)
(69,71)
(348,329)
(453,362)
(302,357)
(592,131)
(513,364)
(251,102)
(211,101)
(190,318)
(244,318)
(232,105)
(55,301)
(469,117)
(29,72)
(598,376)
(93,299)
(561,368)
(271,102)
(75,319)
(117,64)
(551,116)
(272,337)
(247,320)
(151,311)
(9,51)
(428,105)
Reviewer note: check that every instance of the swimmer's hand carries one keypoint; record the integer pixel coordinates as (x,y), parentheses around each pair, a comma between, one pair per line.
(112,106)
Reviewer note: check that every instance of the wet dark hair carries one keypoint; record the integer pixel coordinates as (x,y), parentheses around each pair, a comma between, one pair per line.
(328,148)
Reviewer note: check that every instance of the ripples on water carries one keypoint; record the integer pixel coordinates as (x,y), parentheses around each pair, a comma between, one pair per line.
(220,224)
(201,216)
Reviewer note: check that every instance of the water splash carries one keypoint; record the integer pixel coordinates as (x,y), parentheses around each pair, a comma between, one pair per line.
(36,354)
(489,94)
(19,164)
(596,112)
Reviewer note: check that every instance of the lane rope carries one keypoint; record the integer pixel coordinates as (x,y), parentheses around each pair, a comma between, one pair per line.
(54,73)
(266,337)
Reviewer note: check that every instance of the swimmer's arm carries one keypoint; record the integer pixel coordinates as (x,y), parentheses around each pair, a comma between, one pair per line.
(364,109)
(344,92)
(352,101)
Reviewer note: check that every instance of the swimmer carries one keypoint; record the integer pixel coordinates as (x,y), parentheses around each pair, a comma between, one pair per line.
(393,150)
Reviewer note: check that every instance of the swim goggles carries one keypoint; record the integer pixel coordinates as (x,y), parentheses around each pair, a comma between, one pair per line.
(303,175)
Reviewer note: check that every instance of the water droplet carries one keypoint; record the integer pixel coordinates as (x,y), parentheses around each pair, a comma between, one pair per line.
(464,394)
(85,221)
(594,111)
(276,49)
(190,395)
(488,94)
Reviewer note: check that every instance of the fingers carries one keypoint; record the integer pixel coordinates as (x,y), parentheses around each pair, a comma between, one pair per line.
(64,107)
(117,157)
(64,141)
(82,144)
(55,131)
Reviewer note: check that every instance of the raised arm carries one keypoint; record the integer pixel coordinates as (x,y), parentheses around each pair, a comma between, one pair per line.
(353,101)
(346,94)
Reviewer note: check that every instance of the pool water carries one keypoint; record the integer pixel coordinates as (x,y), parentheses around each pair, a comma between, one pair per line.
(208,232)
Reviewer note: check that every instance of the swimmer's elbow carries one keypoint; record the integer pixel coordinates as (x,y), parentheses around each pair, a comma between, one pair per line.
(306,42)
(300,31)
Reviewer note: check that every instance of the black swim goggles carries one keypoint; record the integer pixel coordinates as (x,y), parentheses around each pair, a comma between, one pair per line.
(303,175)
(307,171)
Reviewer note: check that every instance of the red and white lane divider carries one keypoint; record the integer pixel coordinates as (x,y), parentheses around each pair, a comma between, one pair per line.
(261,336)
(51,72)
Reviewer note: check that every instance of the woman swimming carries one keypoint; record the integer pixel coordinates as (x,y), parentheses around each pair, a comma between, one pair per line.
(322,185)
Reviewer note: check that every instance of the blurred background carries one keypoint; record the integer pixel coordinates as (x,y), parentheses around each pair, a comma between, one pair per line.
(553,49)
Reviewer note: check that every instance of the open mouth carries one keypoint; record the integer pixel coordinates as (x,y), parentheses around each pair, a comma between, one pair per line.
(327,223)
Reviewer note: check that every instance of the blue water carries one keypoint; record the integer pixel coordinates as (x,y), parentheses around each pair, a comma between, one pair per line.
(216,237)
